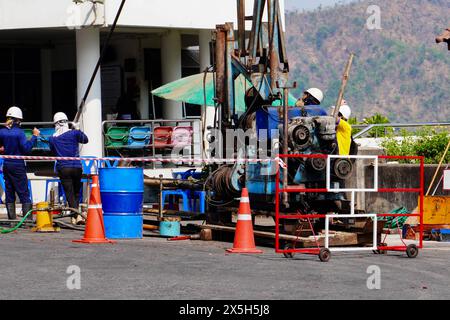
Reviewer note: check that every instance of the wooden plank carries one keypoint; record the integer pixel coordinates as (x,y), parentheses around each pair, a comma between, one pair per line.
(335,239)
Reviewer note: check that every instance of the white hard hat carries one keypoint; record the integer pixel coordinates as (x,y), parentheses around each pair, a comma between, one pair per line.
(59,116)
(316,93)
(345,111)
(14,112)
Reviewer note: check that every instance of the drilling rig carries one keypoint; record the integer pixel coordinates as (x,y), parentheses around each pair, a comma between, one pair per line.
(259,55)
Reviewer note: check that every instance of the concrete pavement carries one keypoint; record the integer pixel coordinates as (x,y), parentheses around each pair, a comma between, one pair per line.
(34,266)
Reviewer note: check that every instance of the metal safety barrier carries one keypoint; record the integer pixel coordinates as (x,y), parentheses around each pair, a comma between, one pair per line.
(280,190)
(368,128)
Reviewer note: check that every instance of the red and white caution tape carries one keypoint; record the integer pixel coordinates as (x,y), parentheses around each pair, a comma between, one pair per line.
(281,163)
(195,160)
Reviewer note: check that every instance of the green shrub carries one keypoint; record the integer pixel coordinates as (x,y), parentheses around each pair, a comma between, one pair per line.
(430,143)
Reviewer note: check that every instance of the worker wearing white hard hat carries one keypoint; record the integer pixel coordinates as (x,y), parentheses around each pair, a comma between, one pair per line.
(343,129)
(15,143)
(65,143)
(310,103)
(311,96)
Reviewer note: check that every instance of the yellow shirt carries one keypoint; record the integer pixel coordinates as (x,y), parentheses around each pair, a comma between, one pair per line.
(344,137)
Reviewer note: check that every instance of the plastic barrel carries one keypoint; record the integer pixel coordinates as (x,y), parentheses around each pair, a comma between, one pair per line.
(169,228)
(122,194)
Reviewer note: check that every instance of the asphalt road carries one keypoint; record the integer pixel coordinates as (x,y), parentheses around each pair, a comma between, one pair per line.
(34,266)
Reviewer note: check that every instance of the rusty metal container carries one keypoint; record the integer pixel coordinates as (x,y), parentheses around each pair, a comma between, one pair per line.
(436,210)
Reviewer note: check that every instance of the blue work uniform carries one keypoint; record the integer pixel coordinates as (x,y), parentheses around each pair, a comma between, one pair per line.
(66,145)
(15,143)
(315,110)
(69,171)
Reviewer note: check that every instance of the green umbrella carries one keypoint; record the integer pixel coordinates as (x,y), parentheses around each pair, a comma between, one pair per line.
(190,90)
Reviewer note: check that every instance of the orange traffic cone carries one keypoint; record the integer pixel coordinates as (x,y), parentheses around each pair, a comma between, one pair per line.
(95,229)
(244,242)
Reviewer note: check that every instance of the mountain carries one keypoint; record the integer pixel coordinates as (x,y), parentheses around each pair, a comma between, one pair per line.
(399,71)
(310,4)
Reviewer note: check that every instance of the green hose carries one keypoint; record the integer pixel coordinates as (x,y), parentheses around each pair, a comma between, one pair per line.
(395,222)
(4,231)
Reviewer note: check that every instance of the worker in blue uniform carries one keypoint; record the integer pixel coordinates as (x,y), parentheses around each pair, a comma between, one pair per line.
(65,143)
(310,103)
(14,142)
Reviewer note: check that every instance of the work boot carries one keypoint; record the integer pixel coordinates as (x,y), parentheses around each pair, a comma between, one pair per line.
(11,209)
(25,208)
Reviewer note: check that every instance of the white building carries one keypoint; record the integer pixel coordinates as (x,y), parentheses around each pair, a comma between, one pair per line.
(49,48)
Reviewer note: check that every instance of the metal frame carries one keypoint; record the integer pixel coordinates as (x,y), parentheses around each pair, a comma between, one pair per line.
(327,231)
(289,189)
(328,181)
(153,125)
(367,128)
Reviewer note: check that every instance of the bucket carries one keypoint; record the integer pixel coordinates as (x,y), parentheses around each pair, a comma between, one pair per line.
(169,227)
(122,194)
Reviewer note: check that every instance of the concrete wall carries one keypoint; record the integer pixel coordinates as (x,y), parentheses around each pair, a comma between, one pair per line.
(197,14)
(399,176)
(390,175)
(28,14)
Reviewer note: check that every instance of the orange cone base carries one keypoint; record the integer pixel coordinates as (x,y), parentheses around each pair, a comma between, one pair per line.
(233,250)
(90,240)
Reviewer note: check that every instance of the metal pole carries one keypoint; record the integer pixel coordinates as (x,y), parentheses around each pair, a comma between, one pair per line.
(285,136)
(241,27)
(160,214)
(285,143)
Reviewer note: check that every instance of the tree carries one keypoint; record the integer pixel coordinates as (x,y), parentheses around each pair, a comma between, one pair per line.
(378,119)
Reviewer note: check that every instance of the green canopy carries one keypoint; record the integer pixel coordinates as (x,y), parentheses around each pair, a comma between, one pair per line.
(190,90)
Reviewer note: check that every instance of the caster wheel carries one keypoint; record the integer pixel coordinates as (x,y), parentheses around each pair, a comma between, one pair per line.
(324,255)
(289,255)
(412,251)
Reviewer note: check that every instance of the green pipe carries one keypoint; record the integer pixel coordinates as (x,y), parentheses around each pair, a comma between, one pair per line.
(4,231)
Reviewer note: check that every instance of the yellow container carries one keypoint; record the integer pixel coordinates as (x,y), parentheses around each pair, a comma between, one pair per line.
(436,210)
(44,219)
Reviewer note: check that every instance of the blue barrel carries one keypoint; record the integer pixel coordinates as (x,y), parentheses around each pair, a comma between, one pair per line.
(122,193)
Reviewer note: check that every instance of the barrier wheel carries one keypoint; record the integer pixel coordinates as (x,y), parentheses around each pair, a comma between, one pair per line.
(289,255)
(381,251)
(412,251)
(324,255)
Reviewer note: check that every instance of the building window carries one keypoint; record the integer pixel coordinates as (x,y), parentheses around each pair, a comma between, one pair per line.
(20,81)
(190,64)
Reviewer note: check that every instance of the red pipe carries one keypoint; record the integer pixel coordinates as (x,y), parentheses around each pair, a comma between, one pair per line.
(422,183)
(179,238)
(399,190)
(302,216)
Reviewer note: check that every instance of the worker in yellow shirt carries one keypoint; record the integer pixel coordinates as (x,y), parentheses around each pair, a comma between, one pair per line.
(344,130)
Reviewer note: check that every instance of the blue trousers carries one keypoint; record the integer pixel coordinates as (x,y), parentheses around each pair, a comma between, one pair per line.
(16,181)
